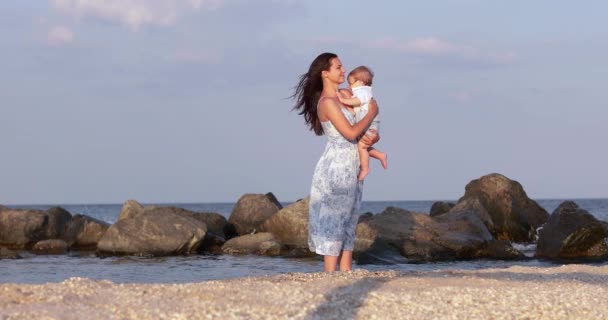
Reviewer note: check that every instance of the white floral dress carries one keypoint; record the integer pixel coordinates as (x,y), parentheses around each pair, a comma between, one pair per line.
(335,195)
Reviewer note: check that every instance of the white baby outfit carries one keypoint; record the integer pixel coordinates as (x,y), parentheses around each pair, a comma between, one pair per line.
(365,95)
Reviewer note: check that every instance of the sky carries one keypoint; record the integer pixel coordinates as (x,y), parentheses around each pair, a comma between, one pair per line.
(188,100)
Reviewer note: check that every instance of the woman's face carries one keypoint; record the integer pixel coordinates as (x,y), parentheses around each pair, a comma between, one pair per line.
(335,72)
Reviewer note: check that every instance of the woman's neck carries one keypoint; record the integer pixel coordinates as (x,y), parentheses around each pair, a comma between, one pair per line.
(329,89)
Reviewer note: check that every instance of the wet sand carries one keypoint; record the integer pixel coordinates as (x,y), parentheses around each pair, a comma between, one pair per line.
(564,292)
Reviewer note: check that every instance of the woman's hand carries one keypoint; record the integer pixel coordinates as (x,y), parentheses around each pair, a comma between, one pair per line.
(370,137)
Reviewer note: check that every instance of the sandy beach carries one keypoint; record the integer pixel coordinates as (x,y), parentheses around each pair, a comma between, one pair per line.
(562,292)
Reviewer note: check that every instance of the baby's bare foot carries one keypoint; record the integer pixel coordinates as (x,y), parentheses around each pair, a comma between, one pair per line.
(384,160)
(363,173)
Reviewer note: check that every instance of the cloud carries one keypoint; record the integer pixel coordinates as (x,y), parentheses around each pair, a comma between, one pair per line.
(59,36)
(135,13)
(424,46)
(433,47)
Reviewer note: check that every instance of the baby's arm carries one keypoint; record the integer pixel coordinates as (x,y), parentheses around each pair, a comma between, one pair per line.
(345,94)
(353,101)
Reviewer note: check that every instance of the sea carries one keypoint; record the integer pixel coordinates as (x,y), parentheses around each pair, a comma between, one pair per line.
(39,269)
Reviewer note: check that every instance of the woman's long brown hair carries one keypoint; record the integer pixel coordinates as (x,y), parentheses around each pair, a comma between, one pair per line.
(309,89)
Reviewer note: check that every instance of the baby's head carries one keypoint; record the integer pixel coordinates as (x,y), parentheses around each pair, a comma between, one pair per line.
(360,76)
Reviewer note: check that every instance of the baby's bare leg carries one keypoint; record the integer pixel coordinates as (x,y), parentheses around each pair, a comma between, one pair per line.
(363,159)
(377,154)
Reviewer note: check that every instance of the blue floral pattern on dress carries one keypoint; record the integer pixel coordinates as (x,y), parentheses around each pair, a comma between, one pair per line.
(335,195)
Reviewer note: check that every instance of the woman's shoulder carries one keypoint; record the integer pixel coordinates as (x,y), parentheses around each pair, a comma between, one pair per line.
(328,102)
(327,105)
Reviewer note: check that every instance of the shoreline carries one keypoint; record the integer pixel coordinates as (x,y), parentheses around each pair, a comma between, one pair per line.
(561,292)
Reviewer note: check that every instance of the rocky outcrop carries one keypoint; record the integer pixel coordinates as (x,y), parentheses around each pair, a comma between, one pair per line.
(504,207)
(216,223)
(441,207)
(290,225)
(51,246)
(85,232)
(153,233)
(250,211)
(572,233)
(262,243)
(21,229)
(419,237)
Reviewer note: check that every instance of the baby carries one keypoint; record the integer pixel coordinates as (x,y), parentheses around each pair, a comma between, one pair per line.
(360,81)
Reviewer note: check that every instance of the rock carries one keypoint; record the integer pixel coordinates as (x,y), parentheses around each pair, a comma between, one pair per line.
(216,223)
(365,216)
(59,220)
(512,215)
(130,209)
(153,233)
(250,211)
(262,243)
(441,207)
(9,254)
(499,250)
(290,227)
(420,237)
(212,244)
(52,246)
(3,208)
(274,200)
(21,229)
(85,232)
(572,233)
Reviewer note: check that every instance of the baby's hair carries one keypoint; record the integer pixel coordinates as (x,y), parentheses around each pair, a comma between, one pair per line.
(362,73)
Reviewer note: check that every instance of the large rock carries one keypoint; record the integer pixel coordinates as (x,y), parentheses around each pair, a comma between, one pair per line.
(504,207)
(250,211)
(85,232)
(51,246)
(441,207)
(572,233)
(262,243)
(419,237)
(153,233)
(21,229)
(216,223)
(290,225)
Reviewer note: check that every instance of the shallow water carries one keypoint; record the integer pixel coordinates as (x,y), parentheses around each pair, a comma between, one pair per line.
(42,269)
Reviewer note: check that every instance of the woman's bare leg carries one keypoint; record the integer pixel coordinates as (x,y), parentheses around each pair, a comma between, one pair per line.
(346,260)
(377,154)
(331,263)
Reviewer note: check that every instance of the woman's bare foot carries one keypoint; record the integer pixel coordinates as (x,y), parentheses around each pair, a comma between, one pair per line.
(383,160)
(363,172)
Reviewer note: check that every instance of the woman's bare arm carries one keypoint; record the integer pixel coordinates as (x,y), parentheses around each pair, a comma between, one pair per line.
(331,110)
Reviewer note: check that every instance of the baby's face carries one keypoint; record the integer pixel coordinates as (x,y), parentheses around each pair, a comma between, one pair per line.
(353,83)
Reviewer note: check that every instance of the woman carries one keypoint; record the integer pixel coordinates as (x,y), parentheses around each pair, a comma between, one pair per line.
(335,196)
